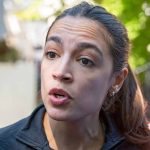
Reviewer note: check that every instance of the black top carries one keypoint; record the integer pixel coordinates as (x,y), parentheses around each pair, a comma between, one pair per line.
(28,134)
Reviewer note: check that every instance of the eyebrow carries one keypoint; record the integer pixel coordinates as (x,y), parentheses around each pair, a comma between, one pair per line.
(85,45)
(54,39)
(80,47)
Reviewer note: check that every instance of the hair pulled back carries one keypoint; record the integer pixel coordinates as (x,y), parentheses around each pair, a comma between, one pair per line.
(128,103)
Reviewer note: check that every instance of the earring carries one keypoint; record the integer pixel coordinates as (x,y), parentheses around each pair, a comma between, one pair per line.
(113,93)
(110,99)
(115,90)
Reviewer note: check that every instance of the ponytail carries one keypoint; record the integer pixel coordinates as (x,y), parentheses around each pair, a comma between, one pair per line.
(130,107)
(127,107)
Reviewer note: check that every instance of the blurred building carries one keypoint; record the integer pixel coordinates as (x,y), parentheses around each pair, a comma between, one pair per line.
(20,81)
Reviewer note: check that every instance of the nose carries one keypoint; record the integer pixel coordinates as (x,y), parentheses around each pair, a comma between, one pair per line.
(63,72)
(63,77)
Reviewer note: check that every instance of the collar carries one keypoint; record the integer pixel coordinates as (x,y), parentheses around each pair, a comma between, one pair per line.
(112,135)
(29,133)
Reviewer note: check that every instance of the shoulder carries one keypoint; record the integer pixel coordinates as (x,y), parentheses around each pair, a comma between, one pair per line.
(8,134)
(11,135)
(131,146)
(14,128)
(11,128)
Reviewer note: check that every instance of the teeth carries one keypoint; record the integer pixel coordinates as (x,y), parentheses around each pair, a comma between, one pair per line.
(59,96)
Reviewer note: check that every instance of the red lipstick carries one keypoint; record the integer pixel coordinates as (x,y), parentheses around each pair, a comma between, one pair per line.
(59,97)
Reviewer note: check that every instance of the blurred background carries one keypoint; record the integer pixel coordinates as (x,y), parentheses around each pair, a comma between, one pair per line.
(23,27)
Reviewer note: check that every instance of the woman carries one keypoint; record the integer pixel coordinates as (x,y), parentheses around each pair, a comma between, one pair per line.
(91,98)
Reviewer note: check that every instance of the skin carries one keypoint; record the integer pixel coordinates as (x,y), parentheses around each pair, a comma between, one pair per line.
(85,72)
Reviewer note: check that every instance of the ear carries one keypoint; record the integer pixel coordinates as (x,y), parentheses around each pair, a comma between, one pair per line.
(119,78)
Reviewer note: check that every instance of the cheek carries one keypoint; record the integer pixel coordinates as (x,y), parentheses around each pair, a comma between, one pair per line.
(92,92)
(94,82)
(46,72)
(94,95)
(43,88)
(97,89)
(45,75)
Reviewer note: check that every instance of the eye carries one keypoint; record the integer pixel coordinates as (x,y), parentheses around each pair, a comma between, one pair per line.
(86,62)
(51,55)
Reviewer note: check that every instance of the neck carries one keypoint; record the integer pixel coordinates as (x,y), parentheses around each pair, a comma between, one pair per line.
(86,134)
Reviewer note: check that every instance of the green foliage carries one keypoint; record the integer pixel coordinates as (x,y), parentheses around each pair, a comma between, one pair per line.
(138,24)
(8,54)
(132,14)
(31,12)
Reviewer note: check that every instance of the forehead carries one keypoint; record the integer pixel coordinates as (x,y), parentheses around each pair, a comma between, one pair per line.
(83,25)
(79,29)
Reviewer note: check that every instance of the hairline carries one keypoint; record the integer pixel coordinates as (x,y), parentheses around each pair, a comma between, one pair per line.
(105,33)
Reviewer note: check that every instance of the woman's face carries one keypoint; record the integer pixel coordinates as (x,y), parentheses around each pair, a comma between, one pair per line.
(76,70)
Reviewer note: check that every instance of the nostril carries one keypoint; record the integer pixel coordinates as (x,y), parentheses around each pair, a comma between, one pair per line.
(63,77)
(67,78)
(54,76)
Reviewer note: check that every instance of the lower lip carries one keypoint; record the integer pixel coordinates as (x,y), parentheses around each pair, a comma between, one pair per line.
(59,101)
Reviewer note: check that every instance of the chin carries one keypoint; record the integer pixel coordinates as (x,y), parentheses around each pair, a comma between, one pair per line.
(58,115)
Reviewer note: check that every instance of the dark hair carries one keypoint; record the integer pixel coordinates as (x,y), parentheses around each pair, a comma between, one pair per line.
(128,103)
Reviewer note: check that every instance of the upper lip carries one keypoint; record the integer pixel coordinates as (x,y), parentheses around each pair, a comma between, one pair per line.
(60,92)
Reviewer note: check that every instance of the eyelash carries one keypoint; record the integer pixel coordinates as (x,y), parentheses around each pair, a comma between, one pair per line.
(52,53)
(89,62)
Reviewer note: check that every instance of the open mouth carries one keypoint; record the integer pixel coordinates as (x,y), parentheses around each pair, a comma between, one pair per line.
(59,93)
(59,97)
